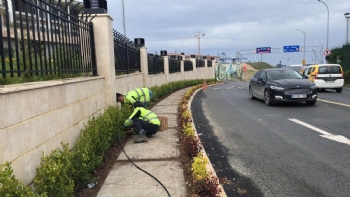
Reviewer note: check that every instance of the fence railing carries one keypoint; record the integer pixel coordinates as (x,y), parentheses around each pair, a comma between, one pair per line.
(155,64)
(174,66)
(188,65)
(126,55)
(39,38)
(200,63)
(209,63)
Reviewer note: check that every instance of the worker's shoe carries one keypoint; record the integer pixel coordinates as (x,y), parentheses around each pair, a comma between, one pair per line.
(140,139)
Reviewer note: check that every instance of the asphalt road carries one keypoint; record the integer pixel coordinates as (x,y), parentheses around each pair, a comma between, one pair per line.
(282,150)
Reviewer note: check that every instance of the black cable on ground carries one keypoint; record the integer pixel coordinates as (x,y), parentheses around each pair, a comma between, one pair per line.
(120,144)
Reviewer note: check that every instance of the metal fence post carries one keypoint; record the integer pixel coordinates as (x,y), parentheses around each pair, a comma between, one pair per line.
(93,50)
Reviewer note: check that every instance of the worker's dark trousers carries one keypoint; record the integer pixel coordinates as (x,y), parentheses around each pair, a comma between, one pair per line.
(148,127)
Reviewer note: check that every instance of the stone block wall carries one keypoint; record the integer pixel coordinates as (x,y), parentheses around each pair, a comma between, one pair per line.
(37,117)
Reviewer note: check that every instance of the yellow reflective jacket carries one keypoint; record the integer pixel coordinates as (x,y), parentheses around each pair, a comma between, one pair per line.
(142,114)
(138,94)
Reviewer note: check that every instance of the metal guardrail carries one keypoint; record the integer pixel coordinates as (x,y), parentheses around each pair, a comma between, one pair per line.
(39,38)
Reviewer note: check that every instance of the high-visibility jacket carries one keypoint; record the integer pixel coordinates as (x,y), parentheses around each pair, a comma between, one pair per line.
(142,114)
(138,94)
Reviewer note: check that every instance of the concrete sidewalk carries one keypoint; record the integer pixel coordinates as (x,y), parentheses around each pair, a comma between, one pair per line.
(158,157)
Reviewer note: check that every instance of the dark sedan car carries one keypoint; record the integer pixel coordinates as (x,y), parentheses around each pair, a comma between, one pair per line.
(282,85)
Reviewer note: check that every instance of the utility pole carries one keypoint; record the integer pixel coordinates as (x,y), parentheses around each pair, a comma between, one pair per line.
(347,16)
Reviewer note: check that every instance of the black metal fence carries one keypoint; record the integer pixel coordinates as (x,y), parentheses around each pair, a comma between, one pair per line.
(126,55)
(188,65)
(174,66)
(200,63)
(209,63)
(41,38)
(155,64)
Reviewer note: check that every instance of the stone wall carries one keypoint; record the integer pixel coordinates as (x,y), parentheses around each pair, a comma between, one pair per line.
(37,117)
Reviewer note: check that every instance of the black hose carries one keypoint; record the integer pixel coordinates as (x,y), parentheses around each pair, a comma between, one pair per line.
(120,144)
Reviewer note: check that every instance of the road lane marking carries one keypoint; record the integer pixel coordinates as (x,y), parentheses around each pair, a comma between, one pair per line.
(338,138)
(325,134)
(310,126)
(342,104)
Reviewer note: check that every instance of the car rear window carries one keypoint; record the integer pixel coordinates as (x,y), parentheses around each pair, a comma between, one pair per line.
(329,70)
(283,74)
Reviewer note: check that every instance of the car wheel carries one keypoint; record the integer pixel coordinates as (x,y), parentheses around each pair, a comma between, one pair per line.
(310,102)
(252,97)
(339,90)
(267,98)
(321,90)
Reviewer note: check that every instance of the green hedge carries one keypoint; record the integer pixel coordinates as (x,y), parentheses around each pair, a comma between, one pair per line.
(347,77)
(343,54)
(64,171)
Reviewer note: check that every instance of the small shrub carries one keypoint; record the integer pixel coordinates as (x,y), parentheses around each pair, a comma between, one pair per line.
(199,171)
(192,145)
(209,186)
(10,186)
(54,176)
(189,132)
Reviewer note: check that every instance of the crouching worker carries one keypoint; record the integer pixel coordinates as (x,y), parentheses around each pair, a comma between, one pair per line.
(144,122)
(143,95)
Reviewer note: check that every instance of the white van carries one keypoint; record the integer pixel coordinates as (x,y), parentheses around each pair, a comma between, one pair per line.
(326,76)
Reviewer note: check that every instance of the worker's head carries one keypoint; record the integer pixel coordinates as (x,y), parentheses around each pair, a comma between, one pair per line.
(120,98)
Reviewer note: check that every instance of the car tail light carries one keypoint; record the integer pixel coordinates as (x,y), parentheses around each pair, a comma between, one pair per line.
(316,75)
(342,75)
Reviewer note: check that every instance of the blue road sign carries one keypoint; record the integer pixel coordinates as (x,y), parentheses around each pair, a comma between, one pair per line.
(262,50)
(294,48)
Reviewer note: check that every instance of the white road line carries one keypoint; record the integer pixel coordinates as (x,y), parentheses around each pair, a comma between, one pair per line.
(337,138)
(310,126)
(333,102)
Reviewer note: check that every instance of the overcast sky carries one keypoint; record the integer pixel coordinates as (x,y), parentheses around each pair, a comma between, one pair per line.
(232,25)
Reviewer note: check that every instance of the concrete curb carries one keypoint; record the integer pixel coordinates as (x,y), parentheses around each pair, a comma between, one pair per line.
(209,166)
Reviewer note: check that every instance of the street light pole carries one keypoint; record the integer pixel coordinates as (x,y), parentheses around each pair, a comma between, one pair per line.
(303,62)
(347,16)
(320,52)
(327,24)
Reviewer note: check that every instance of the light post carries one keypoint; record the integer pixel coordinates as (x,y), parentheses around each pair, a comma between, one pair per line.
(303,62)
(347,16)
(327,26)
(320,52)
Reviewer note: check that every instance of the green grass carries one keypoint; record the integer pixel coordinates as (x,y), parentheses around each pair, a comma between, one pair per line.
(260,65)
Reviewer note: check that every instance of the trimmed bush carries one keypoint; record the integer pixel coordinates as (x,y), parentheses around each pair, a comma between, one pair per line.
(10,186)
